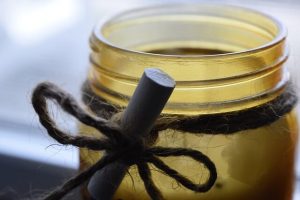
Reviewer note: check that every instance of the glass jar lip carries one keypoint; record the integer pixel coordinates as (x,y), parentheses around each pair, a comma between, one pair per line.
(280,36)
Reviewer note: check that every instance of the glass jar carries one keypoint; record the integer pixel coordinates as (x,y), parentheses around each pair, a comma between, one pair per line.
(224,59)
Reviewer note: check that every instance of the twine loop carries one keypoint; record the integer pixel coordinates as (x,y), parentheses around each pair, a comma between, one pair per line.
(117,146)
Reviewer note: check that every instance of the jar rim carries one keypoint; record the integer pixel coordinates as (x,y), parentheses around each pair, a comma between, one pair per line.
(280,36)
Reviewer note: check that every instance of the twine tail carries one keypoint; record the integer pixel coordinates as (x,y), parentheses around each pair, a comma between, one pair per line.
(145,174)
(80,178)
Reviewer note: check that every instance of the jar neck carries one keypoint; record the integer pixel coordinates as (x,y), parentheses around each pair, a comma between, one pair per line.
(249,73)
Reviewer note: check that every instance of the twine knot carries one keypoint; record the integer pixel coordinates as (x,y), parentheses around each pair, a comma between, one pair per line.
(117,146)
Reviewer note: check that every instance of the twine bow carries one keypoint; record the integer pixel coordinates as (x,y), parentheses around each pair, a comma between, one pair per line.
(118,146)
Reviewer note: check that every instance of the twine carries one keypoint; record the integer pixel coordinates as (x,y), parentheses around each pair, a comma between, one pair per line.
(117,145)
(219,123)
(140,152)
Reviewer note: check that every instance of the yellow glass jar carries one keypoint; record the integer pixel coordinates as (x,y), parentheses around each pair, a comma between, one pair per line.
(224,59)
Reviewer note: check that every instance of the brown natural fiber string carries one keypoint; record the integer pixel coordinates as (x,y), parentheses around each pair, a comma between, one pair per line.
(117,146)
(221,123)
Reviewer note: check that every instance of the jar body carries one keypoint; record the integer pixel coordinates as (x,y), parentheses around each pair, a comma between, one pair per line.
(252,164)
(224,59)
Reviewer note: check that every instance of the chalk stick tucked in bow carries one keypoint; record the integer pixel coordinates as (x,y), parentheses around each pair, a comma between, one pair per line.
(146,104)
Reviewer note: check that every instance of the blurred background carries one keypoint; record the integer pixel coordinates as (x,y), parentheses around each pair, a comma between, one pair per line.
(48,40)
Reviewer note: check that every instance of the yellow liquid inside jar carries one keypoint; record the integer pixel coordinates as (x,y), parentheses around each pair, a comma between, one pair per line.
(217,72)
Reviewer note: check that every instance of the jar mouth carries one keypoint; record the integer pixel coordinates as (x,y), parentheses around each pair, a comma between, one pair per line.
(249,35)
(251,67)
(277,37)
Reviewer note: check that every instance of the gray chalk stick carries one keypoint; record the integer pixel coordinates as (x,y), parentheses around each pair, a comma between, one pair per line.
(146,104)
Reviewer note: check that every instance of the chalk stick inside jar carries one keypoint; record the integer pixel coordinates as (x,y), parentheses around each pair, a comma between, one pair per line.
(146,104)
